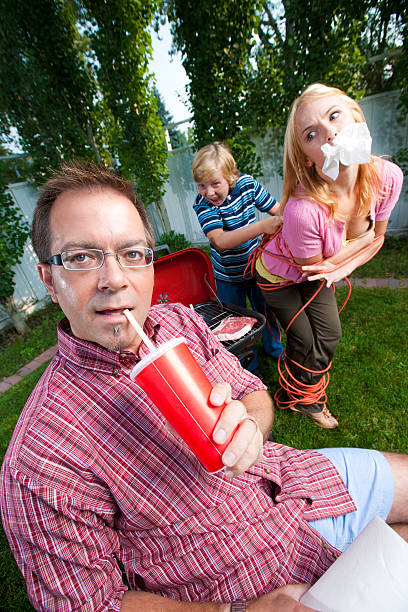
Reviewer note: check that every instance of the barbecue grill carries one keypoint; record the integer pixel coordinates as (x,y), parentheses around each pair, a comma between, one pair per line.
(187,277)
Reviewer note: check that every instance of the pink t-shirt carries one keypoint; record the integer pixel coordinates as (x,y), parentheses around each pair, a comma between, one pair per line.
(308,230)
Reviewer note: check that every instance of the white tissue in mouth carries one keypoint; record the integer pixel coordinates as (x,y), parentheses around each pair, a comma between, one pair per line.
(351,146)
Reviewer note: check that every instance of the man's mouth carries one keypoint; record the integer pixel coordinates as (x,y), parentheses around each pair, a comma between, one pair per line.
(113,311)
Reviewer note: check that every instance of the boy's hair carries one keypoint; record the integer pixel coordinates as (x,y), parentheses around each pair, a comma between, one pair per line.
(212,158)
(73,176)
(295,171)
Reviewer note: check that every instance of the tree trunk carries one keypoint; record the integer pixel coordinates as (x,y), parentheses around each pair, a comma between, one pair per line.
(15,314)
(92,141)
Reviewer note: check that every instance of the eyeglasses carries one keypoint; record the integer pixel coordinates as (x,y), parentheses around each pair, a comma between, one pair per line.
(92,259)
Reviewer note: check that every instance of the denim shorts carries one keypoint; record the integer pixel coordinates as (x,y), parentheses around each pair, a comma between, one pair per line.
(368,478)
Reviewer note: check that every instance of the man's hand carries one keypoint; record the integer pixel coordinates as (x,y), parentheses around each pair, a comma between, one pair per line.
(284,599)
(245,448)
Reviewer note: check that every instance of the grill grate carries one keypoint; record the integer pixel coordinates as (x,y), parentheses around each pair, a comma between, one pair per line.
(214,312)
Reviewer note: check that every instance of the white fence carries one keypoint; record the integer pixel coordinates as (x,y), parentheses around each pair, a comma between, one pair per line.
(388,136)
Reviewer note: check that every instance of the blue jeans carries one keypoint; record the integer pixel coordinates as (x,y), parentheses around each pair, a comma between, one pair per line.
(237,293)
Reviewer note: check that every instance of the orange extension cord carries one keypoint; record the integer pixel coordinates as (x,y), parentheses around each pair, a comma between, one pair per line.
(297,392)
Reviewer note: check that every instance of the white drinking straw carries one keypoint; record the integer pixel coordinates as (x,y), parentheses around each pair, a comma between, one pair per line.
(139,330)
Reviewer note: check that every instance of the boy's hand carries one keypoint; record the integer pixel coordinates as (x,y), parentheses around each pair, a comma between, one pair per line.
(271,224)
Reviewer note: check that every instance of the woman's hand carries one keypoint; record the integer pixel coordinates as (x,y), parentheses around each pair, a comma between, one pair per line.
(325,270)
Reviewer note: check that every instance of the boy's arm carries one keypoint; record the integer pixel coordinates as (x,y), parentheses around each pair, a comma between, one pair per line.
(221,240)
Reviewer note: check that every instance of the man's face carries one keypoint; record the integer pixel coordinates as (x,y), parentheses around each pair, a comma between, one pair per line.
(94,300)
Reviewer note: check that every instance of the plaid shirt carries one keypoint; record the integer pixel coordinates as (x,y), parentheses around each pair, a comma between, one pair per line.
(93,480)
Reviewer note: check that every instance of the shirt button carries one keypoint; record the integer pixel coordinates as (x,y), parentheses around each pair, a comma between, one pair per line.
(267,471)
(116,371)
(123,356)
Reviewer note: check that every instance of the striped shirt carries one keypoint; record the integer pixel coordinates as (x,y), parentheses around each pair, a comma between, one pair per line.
(94,481)
(238,210)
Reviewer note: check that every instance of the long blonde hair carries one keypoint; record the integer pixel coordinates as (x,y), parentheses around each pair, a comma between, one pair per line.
(295,171)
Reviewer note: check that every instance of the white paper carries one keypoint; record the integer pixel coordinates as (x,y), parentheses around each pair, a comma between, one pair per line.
(370,576)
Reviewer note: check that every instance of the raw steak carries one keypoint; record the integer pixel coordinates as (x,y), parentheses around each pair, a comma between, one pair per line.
(233,328)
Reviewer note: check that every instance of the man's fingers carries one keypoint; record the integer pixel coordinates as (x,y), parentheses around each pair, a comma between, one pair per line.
(245,448)
(220,393)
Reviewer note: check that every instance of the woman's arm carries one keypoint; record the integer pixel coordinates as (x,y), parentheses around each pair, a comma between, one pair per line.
(354,254)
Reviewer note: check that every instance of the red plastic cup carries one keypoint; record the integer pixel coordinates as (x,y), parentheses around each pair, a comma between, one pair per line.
(171,377)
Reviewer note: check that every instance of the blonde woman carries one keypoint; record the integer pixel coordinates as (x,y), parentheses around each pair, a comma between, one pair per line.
(337,199)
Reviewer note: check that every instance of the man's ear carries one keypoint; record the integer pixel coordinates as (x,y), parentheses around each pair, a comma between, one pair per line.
(44,271)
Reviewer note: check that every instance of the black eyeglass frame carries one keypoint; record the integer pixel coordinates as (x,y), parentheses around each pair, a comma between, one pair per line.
(56,260)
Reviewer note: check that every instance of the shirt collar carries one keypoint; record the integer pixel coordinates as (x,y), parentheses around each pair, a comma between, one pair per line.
(93,356)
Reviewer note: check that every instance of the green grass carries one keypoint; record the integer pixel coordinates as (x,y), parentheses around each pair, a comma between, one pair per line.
(17,351)
(390,262)
(368,391)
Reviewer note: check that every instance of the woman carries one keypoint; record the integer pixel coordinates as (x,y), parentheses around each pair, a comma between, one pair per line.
(335,214)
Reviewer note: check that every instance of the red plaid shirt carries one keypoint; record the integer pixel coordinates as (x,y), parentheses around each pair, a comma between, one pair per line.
(93,479)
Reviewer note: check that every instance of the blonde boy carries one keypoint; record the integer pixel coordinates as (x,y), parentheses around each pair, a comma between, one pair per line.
(225,208)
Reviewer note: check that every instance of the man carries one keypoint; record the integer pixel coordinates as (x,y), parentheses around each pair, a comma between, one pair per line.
(94,482)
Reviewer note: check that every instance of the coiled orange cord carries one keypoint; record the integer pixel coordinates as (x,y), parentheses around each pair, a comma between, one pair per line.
(297,392)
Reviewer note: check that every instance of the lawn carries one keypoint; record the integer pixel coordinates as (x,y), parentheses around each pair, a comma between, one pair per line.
(18,351)
(368,391)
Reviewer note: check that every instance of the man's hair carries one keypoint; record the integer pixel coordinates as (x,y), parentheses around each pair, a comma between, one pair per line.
(295,171)
(73,176)
(212,158)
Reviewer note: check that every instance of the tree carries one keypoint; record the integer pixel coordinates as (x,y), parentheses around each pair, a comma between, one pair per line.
(215,40)
(382,44)
(14,231)
(47,93)
(16,168)
(121,46)
(301,43)
(177,138)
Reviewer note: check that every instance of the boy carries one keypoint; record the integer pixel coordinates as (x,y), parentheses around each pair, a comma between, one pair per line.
(226,211)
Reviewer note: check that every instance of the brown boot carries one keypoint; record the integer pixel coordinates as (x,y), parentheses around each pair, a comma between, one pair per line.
(324,418)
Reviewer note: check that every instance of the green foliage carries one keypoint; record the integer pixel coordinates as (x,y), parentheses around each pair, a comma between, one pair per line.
(302,43)
(14,231)
(121,45)
(176,242)
(46,91)
(13,170)
(215,39)
(41,334)
(177,138)
(78,86)
(238,85)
